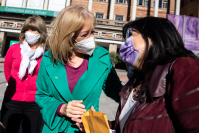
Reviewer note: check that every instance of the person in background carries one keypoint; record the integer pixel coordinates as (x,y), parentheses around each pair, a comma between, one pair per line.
(21,68)
(73,72)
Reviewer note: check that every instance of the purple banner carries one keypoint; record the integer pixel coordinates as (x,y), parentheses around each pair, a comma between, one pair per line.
(177,20)
(191,32)
(191,36)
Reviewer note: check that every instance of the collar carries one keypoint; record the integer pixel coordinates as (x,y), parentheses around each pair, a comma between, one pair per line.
(157,85)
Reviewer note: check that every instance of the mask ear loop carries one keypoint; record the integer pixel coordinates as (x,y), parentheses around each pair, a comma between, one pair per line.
(143,49)
(75,40)
(136,36)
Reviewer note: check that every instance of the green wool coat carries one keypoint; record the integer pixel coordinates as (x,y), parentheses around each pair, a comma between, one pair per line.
(52,89)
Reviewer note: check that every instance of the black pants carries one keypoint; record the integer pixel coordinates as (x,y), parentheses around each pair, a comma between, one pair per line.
(15,112)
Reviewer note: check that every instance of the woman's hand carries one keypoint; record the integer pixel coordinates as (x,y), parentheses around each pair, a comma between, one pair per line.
(79,121)
(74,109)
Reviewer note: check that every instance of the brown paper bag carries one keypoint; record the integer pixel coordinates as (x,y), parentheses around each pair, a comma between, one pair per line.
(95,122)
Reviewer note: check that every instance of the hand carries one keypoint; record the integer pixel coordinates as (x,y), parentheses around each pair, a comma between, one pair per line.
(80,126)
(74,109)
(92,108)
(79,122)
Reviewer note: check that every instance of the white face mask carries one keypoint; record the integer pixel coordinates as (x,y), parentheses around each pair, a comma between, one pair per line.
(86,46)
(31,38)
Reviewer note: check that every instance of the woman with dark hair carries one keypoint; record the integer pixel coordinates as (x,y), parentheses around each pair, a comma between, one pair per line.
(162,96)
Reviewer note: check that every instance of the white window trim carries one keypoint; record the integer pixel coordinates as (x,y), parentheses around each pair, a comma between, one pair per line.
(125,2)
(101,1)
(119,15)
(163,1)
(99,13)
(143,1)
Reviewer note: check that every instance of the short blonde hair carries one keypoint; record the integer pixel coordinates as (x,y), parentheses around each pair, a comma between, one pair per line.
(36,23)
(65,29)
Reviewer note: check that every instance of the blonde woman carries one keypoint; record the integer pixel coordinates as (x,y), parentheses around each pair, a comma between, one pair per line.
(21,68)
(73,72)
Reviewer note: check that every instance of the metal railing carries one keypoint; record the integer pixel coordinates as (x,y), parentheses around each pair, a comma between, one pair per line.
(98,33)
(108,35)
(11,24)
(111,22)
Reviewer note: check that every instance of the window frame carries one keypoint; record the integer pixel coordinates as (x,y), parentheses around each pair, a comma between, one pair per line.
(161,5)
(101,1)
(124,2)
(119,15)
(99,13)
(144,2)
(164,2)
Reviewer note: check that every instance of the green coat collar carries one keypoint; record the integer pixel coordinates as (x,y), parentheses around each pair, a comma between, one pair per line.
(98,63)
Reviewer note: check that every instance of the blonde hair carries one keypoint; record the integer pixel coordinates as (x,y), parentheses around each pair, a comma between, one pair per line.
(36,23)
(65,29)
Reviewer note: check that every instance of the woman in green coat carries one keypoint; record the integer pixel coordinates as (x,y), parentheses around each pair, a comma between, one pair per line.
(73,72)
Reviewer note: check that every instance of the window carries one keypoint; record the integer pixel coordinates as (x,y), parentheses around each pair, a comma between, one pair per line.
(142,2)
(101,0)
(121,1)
(161,4)
(145,3)
(99,15)
(164,3)
(119,17)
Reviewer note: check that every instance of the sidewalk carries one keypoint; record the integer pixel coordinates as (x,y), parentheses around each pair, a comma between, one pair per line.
(2,84)
(1,62)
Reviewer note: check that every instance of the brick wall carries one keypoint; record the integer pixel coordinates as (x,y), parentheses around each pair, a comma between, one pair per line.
(100,7)
(83,3)
(121,9)
(124,9)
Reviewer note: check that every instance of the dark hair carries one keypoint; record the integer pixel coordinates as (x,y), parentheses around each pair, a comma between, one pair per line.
(167,43)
